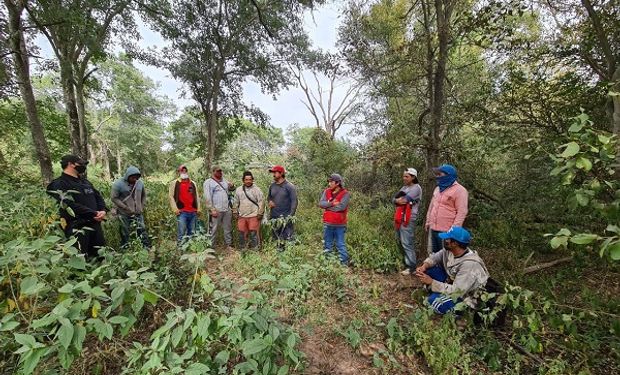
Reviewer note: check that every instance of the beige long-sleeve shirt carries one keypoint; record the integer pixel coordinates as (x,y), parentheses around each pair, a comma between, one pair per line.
(242,204)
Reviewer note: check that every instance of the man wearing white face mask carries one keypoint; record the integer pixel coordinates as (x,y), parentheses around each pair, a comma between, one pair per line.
(184,202)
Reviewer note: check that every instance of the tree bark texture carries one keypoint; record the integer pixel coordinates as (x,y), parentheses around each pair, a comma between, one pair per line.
(81,112)
(22,69)
(68,93)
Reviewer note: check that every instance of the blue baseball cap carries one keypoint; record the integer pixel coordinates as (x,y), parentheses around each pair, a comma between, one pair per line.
(459,234)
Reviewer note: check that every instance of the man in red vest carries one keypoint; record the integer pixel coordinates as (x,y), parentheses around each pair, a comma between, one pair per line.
(184,202)
(335,203)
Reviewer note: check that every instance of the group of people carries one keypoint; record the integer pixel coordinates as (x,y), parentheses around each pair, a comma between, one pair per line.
(453,272)
(224,202)
(82,207)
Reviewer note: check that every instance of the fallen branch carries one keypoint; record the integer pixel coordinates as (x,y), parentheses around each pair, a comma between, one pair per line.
(522,350)
(538,267)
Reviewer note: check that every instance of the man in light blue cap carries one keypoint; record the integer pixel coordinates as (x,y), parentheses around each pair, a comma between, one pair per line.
(454,273)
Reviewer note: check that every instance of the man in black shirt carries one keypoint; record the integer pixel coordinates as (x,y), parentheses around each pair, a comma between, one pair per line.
(82,208)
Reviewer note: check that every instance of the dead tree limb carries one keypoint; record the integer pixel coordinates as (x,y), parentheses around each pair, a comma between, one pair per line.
(538,267)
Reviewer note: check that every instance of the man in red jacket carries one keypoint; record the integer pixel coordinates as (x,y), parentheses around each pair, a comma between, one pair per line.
(335,203)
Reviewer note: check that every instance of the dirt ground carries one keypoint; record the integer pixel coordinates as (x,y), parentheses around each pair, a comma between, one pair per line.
(328,353)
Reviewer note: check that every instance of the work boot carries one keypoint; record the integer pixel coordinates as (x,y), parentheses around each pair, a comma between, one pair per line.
(253,240)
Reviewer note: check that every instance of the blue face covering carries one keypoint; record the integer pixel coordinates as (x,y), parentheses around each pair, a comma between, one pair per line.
(446,181)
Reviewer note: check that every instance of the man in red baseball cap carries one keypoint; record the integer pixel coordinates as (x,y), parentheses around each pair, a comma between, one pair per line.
(282,199)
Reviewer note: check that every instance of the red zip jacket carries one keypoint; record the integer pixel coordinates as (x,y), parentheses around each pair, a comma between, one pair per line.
(335,215)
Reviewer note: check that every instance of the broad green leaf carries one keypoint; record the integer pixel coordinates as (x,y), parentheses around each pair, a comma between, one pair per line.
(44,321)
(138,303)
(26,340)
(118,319)
(571,150)
(32,360)
(117,292)
(583,163)
(291,340)
(563,232)
(197,369)
(247,367)
(583,117)
(65,333)
(254,346)
(8,326)
(177,334)
(614,251)
(267,277)
(79,336)
(603,139)
(30,285)
(582,199)
(558,241)
(222,357)
(260,322)
(150,297)
(67,288)
(283,370)
(584,238)
(575,127)
(266,368)
(613,228)
(77,262)
(108,331)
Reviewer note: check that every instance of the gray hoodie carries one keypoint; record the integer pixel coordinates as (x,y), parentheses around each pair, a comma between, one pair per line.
(129,199)
(467,274)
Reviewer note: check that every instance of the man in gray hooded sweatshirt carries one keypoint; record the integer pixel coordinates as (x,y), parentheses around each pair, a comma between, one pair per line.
(129,197)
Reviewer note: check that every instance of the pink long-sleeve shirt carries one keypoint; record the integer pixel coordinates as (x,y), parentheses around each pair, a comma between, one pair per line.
(448,208)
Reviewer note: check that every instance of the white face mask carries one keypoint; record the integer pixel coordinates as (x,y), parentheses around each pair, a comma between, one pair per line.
(184,176)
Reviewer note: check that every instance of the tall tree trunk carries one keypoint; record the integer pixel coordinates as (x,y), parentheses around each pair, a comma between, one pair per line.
(443,10)
(616,116)
(432,145)
(119,162)
(612,73)
(68,91)
(92,154)
(212,118)
(81,112)
(22,69)
(105,160)
(436,78)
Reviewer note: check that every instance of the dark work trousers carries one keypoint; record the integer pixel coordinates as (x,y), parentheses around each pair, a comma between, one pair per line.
(283,234)
(89,238)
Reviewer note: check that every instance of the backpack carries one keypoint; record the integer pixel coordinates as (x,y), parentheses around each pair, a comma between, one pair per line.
(488,304)
(485,306)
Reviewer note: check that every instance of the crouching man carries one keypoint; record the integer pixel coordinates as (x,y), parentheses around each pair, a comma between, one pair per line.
(454,273)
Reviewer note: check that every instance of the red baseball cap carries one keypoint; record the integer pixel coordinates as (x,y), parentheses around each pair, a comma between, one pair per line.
(277,168)
(181,167)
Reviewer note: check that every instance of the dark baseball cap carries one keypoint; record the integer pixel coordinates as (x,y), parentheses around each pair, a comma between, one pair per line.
(72,159)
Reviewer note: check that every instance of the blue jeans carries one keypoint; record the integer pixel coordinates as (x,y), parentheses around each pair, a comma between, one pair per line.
(186,225)
(441,303)
(436,242)
(129,224)
(404,236)
(333,233)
